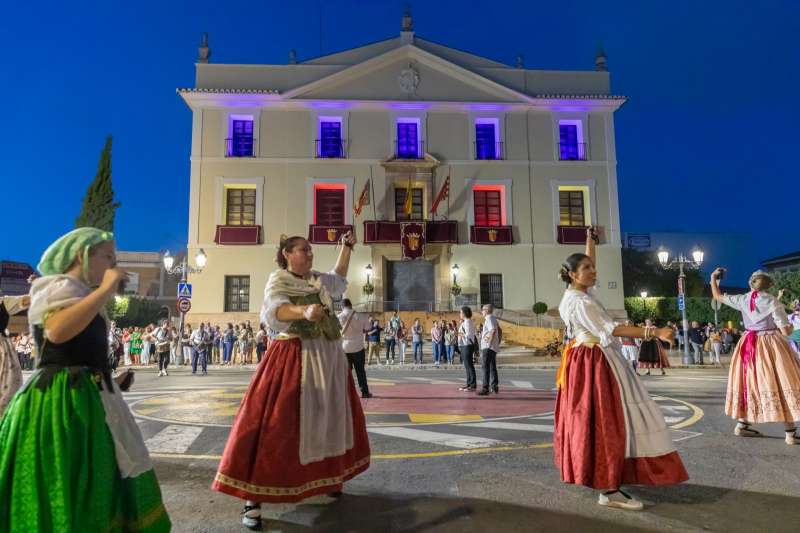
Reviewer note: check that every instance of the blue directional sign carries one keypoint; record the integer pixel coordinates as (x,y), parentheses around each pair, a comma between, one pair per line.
(185,290)
(681,302)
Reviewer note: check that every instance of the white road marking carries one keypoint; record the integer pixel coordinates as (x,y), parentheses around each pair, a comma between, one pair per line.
(510,425)
(672,419)
(435,437)
(173,439)
(673,408)
(545,417)
(523,385)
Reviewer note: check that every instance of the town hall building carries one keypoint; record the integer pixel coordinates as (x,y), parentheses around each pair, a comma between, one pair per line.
(434,157)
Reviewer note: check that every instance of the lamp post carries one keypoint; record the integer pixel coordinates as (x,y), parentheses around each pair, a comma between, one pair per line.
(643,294)
(680,262)
(184,269)
(455,290)
(368,288)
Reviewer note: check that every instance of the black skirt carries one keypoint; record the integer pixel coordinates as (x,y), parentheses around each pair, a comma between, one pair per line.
(648,351)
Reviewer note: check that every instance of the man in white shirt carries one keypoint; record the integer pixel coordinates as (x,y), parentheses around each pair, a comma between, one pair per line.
(199,341)
(354,325)
(490,345)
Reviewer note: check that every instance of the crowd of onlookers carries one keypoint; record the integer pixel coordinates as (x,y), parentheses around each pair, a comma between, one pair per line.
(394,338)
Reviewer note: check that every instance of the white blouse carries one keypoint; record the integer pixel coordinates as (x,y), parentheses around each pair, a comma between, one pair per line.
(769,313)
(585,316)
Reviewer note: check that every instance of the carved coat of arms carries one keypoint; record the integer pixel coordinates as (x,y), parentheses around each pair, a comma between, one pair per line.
(409,80)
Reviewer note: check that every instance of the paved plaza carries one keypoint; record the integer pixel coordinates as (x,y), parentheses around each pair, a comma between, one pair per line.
(445,460)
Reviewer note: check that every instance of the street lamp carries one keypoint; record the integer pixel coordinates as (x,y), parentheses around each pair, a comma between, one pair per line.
(680,262)
(368,271)
(455,290)
(184,269)
(643,294)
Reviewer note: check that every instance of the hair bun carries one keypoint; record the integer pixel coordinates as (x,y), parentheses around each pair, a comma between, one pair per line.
(563,274)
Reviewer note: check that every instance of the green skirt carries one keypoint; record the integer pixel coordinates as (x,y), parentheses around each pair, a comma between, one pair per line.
(58,468)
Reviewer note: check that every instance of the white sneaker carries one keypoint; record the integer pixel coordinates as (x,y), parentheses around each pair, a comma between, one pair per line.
(620,500)
(165,373)
(792,438)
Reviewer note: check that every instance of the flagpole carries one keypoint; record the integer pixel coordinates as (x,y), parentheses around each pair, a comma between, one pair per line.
(449,175)
(372,193)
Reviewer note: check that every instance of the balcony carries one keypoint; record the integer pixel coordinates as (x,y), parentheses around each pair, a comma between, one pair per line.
(573,152)
(386,231)
(321,234)
(571,234)
(241,147)
(404,150)
(329,149)
(237,235)
(489,150)
(491,235)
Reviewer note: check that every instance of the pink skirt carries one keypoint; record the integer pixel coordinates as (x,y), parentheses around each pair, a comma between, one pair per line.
(764,386)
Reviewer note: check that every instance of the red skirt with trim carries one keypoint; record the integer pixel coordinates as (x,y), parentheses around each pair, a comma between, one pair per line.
(261,461)
(589,438)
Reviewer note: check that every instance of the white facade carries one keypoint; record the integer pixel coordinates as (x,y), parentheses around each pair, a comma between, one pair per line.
(445,95)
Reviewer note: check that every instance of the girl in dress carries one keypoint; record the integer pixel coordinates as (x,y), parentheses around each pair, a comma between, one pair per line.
(629,348)
(764,378)
(652,353)
(300,430)
(136,346)
(608,431)
(71,455)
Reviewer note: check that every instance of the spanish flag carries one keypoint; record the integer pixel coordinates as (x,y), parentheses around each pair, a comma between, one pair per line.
(408,206)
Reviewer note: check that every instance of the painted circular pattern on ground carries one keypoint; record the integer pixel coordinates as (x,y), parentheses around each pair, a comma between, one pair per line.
(393,403)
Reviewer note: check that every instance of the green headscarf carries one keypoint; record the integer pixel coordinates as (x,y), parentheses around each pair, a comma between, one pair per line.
(60,255)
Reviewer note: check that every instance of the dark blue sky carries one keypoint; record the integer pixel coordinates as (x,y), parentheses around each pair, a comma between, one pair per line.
(707,142)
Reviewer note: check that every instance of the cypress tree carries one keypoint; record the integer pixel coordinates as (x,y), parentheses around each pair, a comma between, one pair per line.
(98,204)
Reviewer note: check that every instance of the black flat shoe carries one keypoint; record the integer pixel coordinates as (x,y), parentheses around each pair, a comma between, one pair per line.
(483,393)
(366,395)
(251,517)
(337,494)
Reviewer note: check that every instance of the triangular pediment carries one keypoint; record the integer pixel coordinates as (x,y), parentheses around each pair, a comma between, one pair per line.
(407,73)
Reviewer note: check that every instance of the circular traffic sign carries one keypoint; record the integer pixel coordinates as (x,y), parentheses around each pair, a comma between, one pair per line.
(184,305)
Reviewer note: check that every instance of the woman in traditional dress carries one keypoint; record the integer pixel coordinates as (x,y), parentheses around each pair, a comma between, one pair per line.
(136,346)
(629,348)
(300,430)
(10,369)
(608,431)
(652,353)
(72,458)
(764,378)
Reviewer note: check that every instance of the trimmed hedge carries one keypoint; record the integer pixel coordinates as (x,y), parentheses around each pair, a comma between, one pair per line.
(662,309)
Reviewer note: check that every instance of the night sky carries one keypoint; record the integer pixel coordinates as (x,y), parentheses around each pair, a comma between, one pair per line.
(705,143)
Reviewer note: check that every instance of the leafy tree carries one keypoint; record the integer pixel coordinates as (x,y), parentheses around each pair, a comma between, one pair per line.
(789,282)
(641,271)
(129,311)
(98,204)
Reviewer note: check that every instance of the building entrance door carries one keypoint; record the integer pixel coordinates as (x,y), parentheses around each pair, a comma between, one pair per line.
(411,286)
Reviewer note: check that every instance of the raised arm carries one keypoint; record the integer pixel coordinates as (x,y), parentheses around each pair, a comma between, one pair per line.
(716,293)
(590,244)
(65,324)
(664,334)
(347,241)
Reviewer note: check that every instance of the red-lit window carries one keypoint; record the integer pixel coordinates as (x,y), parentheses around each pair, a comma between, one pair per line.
(329,204)
(488,205)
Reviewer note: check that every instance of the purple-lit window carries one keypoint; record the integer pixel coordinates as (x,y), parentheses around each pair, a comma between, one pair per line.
(241,138)
(407,144)
(568,139)
(485,147)
(330,144)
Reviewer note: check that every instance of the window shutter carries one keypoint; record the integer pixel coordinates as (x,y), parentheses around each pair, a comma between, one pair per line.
(407,139)
(330,139)
(488,208)
(485,147)
(242,138)
(568,138)
(330,207)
